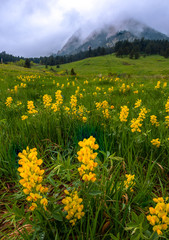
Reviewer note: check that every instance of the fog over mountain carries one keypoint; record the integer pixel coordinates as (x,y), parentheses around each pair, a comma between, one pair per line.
(108,35)
(38,27)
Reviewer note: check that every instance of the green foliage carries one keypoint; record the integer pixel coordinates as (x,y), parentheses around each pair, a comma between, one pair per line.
(139,228)
(27,63)
(72,72)
(110,213)
(20,63)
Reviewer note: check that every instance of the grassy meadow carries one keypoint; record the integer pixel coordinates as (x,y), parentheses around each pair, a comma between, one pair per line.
(85,156)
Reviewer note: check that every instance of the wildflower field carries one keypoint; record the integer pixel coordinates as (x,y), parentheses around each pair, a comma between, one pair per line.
(85,156)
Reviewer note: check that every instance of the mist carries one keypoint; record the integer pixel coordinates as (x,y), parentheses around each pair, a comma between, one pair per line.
(39,28)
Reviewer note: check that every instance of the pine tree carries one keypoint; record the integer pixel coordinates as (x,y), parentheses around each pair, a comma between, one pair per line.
(27,63)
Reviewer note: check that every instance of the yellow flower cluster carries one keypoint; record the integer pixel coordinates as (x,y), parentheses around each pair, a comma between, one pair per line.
(159,217)
(136,122)
(156,142)
(85,82)
(167,105)
(16,88)
(102,105)
(153,120)
(58,97)
(124,113)
(135,125)
(98,89)
(81,111)
(142,114)
(47,99)
(138,103)
(32,177)
(77,91)
(19,103)
(167,121)
(59,101)
(164,84)
(31,107)
(158,85)
(106,113)
(110,90)
(87,157)
(124,88)
(73,104)
(73,206)
(23,85)
(135,92)
(24,117)
(27,78)
(129,182)
(105,108)
(9,101)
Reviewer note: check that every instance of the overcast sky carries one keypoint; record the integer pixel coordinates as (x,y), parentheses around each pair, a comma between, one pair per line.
(33,28)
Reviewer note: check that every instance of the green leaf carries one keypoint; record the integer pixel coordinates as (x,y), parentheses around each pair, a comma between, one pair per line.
(134,217)
(95,193)
(57,216)
(52,182)
(114,237)
(141,218)
(116,158)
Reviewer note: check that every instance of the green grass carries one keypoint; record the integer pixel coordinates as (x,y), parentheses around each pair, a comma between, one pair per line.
(148,66)
(110,212)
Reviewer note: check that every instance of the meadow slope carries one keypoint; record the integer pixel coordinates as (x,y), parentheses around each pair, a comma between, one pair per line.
(120,106)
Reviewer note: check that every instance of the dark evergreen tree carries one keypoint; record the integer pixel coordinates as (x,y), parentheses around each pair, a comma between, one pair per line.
(72,72)
(131,55)
(136,55)
(27,63)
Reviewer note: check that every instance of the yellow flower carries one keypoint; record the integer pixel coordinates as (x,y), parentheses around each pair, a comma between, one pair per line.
(124,113)
(19,103)
(32,177)
(138,103)
(167,105)
(47,99)
(8,102)
(158,85)
(84,119)
(142,114)
(164,84)
(135,92)
(156,142)
(33,206)
(44,202)
(87,157)
(31,107)
(135,125)
(73,206)
(129,182)
(153,120)
(110,90)
(159,215)
(24,117)
(167,121)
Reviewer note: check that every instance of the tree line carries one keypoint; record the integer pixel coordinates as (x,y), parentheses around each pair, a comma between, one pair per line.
(122,48)
(142,47)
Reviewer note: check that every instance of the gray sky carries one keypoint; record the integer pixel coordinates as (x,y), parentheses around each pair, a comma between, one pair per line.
(33,28)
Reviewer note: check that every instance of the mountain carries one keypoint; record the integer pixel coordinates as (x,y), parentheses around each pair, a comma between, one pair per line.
(108,35)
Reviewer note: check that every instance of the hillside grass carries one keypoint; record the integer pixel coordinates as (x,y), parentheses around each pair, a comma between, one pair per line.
(109,64)
(112,211)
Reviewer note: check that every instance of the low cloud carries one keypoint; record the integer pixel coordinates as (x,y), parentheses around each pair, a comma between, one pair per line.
(39,27)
